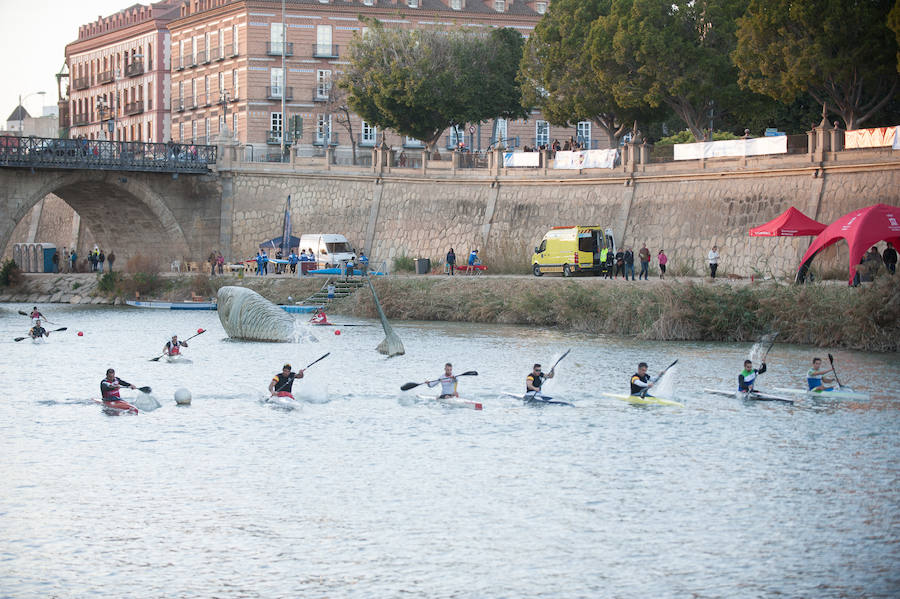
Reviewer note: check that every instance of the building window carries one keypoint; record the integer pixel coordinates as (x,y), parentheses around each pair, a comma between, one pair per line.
(499,5)
(275,123)
(234,40)
(501,132)
(323,84)
(234,84)
(368,2)
(206,88)
(412,3)
(180,131)
(194,90)
(323,40)
(206,127)
(541,133)
(234,124)
(540,7)
(457,136)
(276,37)
(456,4)
(323,128)
(193,130)
(221,82)
(583,131)
(276,81)
(369,134)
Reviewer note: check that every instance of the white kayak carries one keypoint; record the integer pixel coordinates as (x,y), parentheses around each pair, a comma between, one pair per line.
(751,396)
(178,359)
(536,399)
(841,393)
(287,402)
(453,402)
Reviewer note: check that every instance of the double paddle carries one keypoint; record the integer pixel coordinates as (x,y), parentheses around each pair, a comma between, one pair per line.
(199,332)
(42,317)
(408,386)
(53,331)
(307,366)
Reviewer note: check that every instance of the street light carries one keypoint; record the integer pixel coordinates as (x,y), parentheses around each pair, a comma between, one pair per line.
(22,113)
(223,100)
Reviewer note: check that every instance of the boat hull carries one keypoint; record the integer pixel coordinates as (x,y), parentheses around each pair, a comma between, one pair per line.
(644,401)
(118,406)
(537,401)
(453,402)
(836,394)
(753,396)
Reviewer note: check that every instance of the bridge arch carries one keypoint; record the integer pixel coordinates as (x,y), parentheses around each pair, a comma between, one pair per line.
(131,213)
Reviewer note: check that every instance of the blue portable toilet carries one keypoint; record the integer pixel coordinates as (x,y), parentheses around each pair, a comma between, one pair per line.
(45,253)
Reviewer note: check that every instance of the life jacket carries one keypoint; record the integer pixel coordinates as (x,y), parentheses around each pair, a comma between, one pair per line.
(108,392)
(173,348)
(536,381)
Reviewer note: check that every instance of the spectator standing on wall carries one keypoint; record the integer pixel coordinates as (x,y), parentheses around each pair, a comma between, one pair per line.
(220,262)
(111,259)
(890,258)
(73,257)
(629,263)
(473,258)
(258,263)
(101,258)
(363,264)
(65,260)
(451,261)
(292,259)
(644,257)
(212,264)
(713,261)
(55,259)
(663,260)
(620,264)
(265,263)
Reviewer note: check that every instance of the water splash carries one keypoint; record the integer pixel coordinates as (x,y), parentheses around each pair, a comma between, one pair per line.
(665,386)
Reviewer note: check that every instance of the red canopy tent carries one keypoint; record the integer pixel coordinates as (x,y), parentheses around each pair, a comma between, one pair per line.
(791,223)
(862,229)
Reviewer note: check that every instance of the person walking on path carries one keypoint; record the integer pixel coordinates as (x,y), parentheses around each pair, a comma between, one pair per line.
(73,257)
(212,263)
(330,291)
(890,258)
(629,263)
(55,261)
(663,260)
(451,261)
(620,264)
(111,259)
(220,262)
(713,261)
(65,263)
(363,264)
(101,258)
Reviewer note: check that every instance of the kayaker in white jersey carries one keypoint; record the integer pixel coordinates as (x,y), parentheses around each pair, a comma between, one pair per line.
(447,382)
(534,382)
(173,347)
(815,379)
(747,377)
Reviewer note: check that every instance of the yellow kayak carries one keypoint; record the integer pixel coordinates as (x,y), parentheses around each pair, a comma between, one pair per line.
(649,400)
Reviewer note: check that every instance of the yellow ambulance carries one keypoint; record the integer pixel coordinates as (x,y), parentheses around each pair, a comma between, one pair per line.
(570,250)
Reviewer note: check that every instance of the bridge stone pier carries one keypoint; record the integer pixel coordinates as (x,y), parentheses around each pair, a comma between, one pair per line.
(164,215)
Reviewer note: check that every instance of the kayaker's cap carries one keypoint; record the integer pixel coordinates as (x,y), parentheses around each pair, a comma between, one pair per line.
(286,367)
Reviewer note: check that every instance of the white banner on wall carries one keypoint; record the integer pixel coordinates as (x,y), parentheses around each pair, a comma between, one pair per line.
(896,138)
(514,159)
(877,137)
(732,147)
(586,159)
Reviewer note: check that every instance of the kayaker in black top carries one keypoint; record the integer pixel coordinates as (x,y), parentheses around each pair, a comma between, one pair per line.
(109,387)
(283,382)
(747,377)
(535,380)
(640,381)
(37,331)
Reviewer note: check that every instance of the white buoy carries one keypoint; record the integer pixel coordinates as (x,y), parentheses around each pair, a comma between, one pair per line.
(183,397)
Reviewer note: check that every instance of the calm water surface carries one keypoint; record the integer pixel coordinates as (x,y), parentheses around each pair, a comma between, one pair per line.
(363,493)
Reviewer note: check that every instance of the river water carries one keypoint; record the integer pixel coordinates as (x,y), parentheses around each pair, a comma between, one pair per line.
(363,493)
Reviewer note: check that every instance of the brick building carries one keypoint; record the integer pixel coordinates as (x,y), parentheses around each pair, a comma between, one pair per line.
(119,80)
(227,58)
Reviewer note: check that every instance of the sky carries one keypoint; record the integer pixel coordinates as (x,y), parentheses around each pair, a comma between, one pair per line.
(33,46)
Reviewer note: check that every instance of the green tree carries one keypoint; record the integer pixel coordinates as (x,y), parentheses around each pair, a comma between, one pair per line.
(419,82)
(556,75)
(673,53)
(840,52)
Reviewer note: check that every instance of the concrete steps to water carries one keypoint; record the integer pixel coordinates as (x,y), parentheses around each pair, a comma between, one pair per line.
(342,289)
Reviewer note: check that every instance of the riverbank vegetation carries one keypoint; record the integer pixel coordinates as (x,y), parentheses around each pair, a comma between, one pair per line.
(828,315)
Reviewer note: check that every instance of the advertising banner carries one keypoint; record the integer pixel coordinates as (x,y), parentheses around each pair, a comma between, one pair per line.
(517,159)
(586,159)
(878,137)
(756,146)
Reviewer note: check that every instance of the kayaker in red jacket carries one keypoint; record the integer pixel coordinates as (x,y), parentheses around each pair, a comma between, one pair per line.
(109,387)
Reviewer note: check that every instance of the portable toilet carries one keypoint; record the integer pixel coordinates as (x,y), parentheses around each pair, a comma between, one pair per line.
(44,256)
(17,256)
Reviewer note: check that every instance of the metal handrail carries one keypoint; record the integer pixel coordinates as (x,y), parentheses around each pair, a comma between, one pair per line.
(43,152)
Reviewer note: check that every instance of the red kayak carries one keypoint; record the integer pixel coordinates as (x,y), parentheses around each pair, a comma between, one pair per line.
(117,406)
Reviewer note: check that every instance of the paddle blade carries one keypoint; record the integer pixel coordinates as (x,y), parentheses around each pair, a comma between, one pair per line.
(19,338)
(60,329)
(156,359)
(469,373)
(408,386)
(23,313)
(144,389)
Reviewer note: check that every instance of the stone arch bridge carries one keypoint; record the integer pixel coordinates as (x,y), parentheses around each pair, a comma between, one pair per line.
(152,199)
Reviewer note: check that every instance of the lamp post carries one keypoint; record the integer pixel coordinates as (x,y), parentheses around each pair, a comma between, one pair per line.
(22,113)
(223,100)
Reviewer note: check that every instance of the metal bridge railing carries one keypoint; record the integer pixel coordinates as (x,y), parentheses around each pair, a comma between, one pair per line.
(41,152)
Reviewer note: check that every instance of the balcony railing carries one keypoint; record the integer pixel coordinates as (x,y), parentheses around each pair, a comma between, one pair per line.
(134,107)
(135,68)
(325,50)
(320,140)
(273,138)
(274,93)
(215,54)
(230,50)
(201,57)
(319,96)
(192,60)
(80,119)
(106,77)
(274,48)
(81,83)
(191,103)
(178,105)
(37,152)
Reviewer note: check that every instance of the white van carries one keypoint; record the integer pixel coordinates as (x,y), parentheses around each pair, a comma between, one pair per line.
(330,248)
